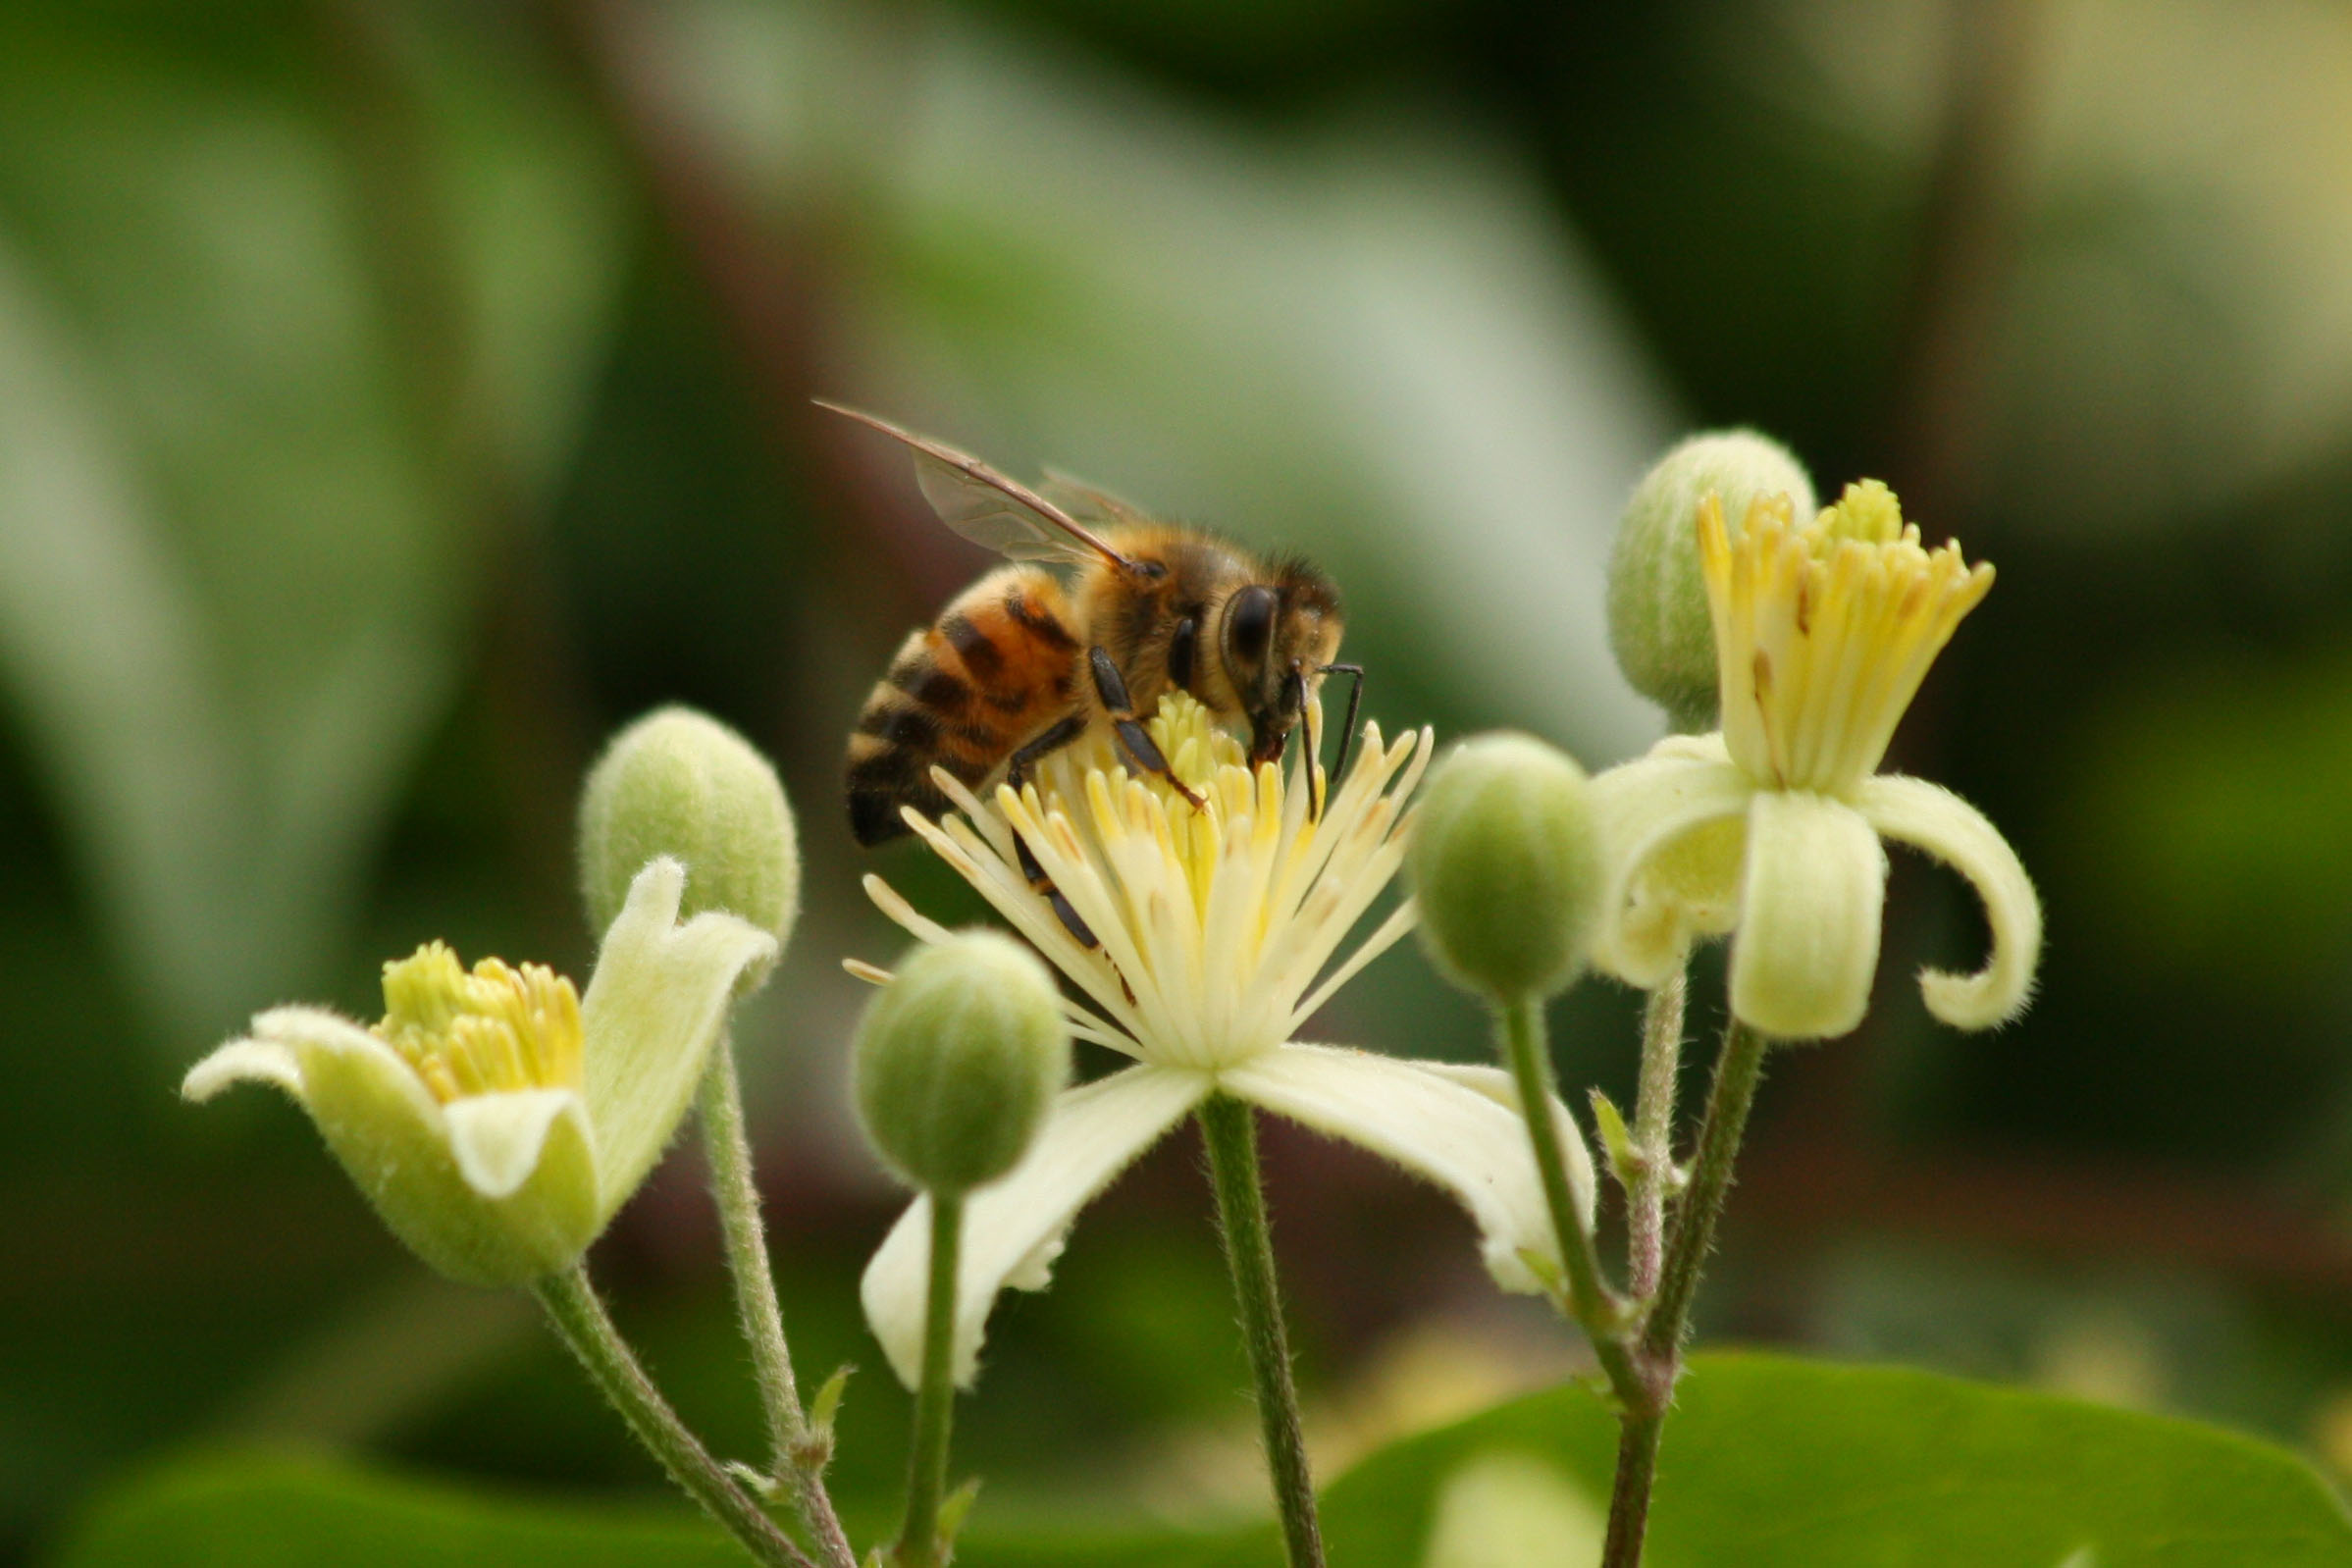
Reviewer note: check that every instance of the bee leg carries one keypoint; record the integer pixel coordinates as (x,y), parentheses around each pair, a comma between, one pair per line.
(1355,700)
(1112,688)
(1069,727)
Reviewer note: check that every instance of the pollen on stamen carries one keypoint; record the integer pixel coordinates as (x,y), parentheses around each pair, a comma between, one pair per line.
(496,1030)
(1824,631)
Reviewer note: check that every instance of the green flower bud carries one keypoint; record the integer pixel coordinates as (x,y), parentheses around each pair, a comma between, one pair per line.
(1506,866)
(680,784)
(958,1059)
(1659,621)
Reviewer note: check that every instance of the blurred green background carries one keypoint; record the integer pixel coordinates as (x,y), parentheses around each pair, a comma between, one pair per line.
(397,394)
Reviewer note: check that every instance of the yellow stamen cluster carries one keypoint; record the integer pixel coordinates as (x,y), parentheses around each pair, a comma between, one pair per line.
(1824,631)
(497,1029)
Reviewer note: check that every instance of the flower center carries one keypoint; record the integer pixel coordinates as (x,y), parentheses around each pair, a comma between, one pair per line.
(1824,631)
(497,1029)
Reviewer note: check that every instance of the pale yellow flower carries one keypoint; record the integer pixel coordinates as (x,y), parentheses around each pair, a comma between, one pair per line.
(1771,827)
(494,1117)
(1214,926)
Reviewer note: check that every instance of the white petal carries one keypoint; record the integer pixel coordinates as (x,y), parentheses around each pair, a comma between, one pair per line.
(297,1030)
(653,1007)
(1642,810)
(497,1138)
(1012,1229)
(1453,1131)
(245,1061)
(1497,1086)
(1932,818)
(1811,900)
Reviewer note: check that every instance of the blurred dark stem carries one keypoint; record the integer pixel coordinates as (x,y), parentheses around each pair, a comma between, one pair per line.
(535,718)
(1942,359)
(772,279)
(1934,438)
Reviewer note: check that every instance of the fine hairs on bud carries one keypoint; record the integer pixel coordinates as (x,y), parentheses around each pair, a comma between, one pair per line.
(1506,866)
(958,1060)
(679,783)
(1657,604)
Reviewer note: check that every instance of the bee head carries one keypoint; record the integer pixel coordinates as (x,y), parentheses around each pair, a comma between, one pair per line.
(1276,637)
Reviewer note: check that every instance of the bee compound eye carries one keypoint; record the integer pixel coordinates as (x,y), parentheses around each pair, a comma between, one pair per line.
(1249,624)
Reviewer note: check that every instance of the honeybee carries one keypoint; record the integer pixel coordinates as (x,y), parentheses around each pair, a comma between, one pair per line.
(1021,664)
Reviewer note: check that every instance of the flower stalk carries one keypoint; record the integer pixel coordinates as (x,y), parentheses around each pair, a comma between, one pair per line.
(1653,1178)
(1594,1305)
(588,1330)
(1229,1130)
(793,1459)
(1739,1069)
(922,1543)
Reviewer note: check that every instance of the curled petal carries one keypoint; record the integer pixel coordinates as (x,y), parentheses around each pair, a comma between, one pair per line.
(1670,852)
(1012,1229)
(1810,902)
(1462,1132)
(1932,818)
(505,1199)
(498,1139)
(248,1061)
(655,1006)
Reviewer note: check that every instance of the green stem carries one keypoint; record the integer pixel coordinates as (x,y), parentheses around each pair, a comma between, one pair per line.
(794,1457)
(1595,1306)
(1653,1135)
(1738,1071)
(581,1320)
(1231,1133)
(920,1544)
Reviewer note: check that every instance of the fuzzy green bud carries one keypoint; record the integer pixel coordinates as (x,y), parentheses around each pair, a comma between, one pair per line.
(1658,622)
(958,1060)
(1506,866)
(680,784)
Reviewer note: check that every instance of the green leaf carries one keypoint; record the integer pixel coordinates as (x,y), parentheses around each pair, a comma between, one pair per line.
(1769,1463)
(264,1512)
(1615,1141)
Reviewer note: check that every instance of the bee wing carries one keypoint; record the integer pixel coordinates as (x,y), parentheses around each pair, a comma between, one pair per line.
(988,509)
(1087,503)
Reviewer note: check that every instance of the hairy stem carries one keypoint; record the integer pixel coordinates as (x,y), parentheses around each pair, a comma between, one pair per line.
(585,1326)
(1653,1135)
(920,1544)
(792,1457)
(1595,1306)
(1231,1135)
(1738,1071)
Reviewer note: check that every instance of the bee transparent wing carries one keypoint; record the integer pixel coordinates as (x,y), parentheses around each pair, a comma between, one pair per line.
(982,513)
(989,509)
(1089,504)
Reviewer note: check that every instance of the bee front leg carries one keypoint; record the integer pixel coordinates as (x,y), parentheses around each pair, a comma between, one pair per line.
(1112,688)
(1069,727)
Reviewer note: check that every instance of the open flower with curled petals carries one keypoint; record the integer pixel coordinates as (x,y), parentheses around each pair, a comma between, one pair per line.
(1771,827)
(1218,934)
(495,1117)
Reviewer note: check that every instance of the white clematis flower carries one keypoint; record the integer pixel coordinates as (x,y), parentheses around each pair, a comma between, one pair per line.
(1823,632)
(496,1118)
(1214,926)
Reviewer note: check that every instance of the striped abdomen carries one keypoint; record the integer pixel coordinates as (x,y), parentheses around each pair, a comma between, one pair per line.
(999,666)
